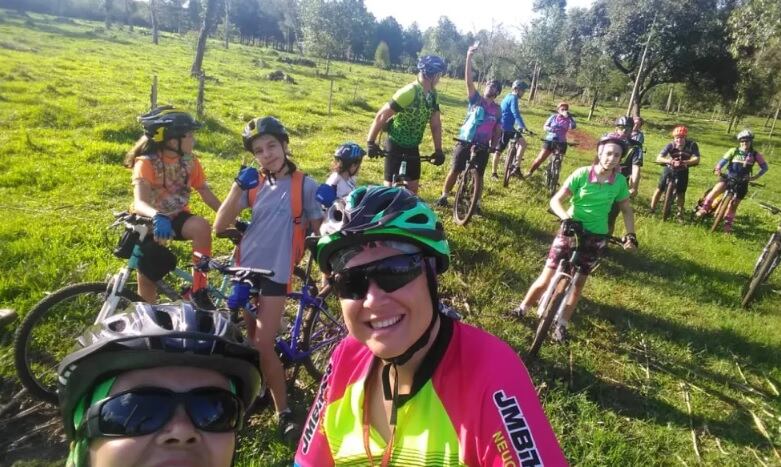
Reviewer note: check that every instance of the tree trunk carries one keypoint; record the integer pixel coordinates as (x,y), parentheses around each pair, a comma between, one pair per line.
(669,100)
(553,93)
(107,6)
(732,122)
(773,127)
(533,86)
(767,120)
(153,13)
(227,21)
(199,108)
(200,50)
(128,19)
(593,104)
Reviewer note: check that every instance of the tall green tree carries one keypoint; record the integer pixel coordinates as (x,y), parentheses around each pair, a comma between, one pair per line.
(390,31)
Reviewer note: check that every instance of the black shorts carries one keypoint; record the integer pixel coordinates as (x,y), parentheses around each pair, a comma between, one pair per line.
(740,186)
(177,223)
(507,136)
(269,288)
(461,155)
(551,145)
(393,161)
(682,179)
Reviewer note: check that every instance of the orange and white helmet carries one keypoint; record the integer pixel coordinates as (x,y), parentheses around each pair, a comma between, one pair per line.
(680,130)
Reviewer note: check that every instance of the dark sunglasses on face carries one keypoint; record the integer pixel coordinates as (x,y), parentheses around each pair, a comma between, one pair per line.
(142,411)
(390,274)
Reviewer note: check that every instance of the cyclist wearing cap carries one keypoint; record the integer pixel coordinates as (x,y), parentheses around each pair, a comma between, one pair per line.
(406,116)
(630,166)
(592,191)
(164,173)
(556,128)
(678,156)
(740,163)
(511,117)
(274,241)
(155,385)
(482,127)
(411,385)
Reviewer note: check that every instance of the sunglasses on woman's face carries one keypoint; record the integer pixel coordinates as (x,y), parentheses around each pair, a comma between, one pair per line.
(143,411)
(390,274)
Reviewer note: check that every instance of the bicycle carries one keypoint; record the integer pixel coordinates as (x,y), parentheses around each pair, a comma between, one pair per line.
(561,287)
(766,263)
(512,166)
(671,190)
(469,185)
(50,328)
(726,200)
(553,170)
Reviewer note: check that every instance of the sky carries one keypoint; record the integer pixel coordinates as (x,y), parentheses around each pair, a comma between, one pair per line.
(467,16)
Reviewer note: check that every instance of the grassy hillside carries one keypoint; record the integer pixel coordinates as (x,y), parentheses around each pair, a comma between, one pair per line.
(652,328)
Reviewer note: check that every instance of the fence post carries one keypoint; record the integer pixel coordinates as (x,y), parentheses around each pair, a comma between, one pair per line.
(773,127)
(330,97)
(153,93)
(199,102)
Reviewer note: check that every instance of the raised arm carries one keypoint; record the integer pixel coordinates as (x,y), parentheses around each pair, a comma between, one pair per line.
(470,84)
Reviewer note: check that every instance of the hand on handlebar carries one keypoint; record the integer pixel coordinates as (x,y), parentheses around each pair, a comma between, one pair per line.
(372,149)
(437,157)
(570,227)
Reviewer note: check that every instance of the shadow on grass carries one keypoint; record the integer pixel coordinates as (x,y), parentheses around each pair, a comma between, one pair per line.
(51,29)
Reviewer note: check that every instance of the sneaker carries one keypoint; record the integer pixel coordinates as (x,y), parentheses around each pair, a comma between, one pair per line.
(495,177)
(519,310)
(201,300)
(289,429)
(560,334)
(442,201)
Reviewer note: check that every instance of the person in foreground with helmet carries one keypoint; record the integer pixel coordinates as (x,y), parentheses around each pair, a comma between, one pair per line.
(556,128)
(405,116)
(592,191)
(678,156)
(740,163)
(411,385)
(481,126)
(157,385)
(164,173)
(511,117)
(284,208)
(630,166)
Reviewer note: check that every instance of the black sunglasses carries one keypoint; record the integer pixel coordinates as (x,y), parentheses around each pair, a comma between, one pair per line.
(389,274)
(142,411)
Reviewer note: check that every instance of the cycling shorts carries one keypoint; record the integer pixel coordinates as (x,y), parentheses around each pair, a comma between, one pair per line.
(682,179)
(393,161)
(551,145)
(461,155)
(507,136)
(177,223)
(740,186)
(591,249)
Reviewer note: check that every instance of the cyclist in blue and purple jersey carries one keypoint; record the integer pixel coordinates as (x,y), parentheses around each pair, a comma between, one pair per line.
(511,118)
(556,128)
(480,127)
(739,162)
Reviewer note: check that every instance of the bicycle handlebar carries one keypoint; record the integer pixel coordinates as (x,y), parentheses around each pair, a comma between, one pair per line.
(565,143)
(470,144)
(207,263)
(770,207)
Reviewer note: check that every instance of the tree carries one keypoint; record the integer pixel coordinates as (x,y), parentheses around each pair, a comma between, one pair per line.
(107,5)
(390,32)
(200,49)
(413,41)
(153,17)
(445,40)
(382,56)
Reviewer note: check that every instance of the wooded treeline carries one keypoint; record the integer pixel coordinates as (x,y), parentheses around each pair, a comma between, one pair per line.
(722,56)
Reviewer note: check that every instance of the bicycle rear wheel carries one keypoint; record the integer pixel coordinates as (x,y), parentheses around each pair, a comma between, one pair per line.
(548,314)
(761,272)
(508,167)
(467,193)
(669,193)
(323,330)
(721,211)
(49,331)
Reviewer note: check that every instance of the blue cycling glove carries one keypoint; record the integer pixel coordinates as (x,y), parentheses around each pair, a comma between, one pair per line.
(163,229)
(247,178)
(239,296)
(326,195)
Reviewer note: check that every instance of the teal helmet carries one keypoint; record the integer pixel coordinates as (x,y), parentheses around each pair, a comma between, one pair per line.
(383,213)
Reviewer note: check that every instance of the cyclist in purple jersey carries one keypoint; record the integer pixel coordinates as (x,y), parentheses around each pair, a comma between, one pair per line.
(739,162)
(556,128)
(480,127)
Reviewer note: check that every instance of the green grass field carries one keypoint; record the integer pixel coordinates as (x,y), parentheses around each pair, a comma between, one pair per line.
(652,327)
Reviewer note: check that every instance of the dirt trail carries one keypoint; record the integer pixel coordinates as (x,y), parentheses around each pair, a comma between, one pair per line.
(585,141)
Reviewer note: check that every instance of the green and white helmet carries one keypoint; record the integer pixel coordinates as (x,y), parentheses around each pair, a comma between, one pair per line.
(377,213)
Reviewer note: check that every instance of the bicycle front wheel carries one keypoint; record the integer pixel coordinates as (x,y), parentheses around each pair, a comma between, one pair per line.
(761,273)
(548,314)
(668,200)
(467,193)
(49,331)
(721,211)
(323,330)
(552,176)
(508,167)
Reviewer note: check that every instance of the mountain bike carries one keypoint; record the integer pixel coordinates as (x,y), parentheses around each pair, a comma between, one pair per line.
(469,185)
(513,166)
(671,190)
(50,328)
(766,263)
(553,170)
(727,198)
(400,178)
(561,287)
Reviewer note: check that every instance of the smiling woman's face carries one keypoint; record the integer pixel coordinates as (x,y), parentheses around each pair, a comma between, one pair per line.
(388,323)
(178,443)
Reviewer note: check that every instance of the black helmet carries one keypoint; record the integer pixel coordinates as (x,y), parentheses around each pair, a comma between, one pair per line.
(625,122)
(152,336)
(496,84)
(263,126)
(518,84)
(165,122)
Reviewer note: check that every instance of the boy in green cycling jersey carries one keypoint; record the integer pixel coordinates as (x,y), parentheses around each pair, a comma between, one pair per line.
(592,191)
